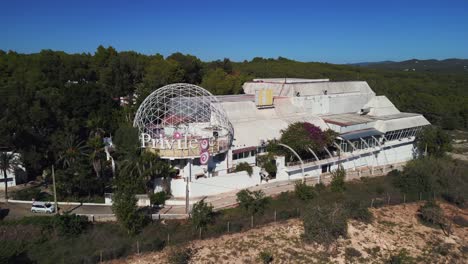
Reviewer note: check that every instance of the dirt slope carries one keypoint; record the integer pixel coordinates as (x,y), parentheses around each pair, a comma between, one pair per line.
(394,228)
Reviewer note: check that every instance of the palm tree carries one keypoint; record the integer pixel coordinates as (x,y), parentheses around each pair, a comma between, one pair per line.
(72,152)
(97,153)
(8,162)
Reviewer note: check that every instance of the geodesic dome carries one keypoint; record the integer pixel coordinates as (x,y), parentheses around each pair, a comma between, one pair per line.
(183,110)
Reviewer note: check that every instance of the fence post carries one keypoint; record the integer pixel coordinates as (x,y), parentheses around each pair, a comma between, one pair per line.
(420,196)
(372,203)
(138,247)
(199,235)
(275,216)
(228,226)
(100,257)
(168,238)
(404,198)
(388,199)
(251,221)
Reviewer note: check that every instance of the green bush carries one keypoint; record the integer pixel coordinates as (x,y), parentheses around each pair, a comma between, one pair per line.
(267,161)
(32,193)
(159,198)
(431,213)
(244,166)
(431,177)
(320,188)
(401,258)
(351,253)
(180,255)
(265,257)
(304,191)
(460,220)
(252,202)
(70,224)
(338,180)
(357,211)
(324,224)
(127,213)
(13,252)
(202,214)
(433,140)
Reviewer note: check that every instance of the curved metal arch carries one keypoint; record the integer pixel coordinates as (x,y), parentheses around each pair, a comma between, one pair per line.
(297,155)
(382,149)
(316,161)
(372,153)
(338,146)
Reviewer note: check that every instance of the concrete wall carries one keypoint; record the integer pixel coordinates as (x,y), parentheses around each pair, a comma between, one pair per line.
(394,152)
(215,185)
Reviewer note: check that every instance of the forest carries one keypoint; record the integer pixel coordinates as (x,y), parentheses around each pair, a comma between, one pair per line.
(57,107)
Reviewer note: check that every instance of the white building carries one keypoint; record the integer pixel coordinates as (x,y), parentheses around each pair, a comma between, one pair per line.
(175,119)
(12,174)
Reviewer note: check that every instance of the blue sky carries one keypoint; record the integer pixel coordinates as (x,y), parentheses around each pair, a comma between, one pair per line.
(332,31)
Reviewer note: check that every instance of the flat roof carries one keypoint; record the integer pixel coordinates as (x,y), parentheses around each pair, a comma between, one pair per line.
(289,80)
(349,119)
(236,98)
(361,134)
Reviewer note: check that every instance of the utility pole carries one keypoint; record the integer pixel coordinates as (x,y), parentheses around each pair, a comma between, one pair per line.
(187,192)
(55,190)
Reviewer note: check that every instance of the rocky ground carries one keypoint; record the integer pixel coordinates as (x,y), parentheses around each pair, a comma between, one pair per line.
(393,229)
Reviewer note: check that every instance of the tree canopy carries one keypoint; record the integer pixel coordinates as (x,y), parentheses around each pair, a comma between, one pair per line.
(53,102)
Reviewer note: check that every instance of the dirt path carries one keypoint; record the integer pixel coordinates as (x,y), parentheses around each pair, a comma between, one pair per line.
(394,228)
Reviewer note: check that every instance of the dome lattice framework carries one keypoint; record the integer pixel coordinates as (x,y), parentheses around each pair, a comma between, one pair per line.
(183,112)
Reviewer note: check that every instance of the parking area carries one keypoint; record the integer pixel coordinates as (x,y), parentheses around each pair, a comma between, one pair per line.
(13,211)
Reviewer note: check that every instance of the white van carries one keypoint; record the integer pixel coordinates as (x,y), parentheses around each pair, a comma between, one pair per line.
(42,207)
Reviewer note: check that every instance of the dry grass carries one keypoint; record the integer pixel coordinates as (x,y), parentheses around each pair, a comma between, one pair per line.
(394,228)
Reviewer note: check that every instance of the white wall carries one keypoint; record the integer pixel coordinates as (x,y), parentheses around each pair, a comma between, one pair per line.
(401,151)
(219,184)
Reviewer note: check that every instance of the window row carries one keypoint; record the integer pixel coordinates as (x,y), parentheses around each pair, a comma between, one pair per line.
(364,143)
(403,133)
(243,155)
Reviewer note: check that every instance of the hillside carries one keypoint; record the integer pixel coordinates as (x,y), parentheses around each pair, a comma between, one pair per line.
(441,66)
(394,228)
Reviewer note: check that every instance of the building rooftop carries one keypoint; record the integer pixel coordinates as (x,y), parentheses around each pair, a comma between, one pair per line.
(289,80)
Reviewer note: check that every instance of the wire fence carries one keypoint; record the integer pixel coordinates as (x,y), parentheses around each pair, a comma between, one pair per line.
(182,233)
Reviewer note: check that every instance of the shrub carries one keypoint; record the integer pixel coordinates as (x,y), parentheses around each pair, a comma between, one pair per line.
(252,202)
(357,211)
(127,213)
(351,253)
(202,214)
(244,166)
(401,258)
(431,213)
(304,191)
(158,198)
(455,198)
(180,255)
(13,252)
(268,162)
(32,193)
(431,176)
(70,224)
(460,220)
(266,257)
(338,180)
(433,140)
(324,224)
(320,188)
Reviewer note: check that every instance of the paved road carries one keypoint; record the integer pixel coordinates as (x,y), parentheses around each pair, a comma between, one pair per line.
(218,201)
(16,210)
